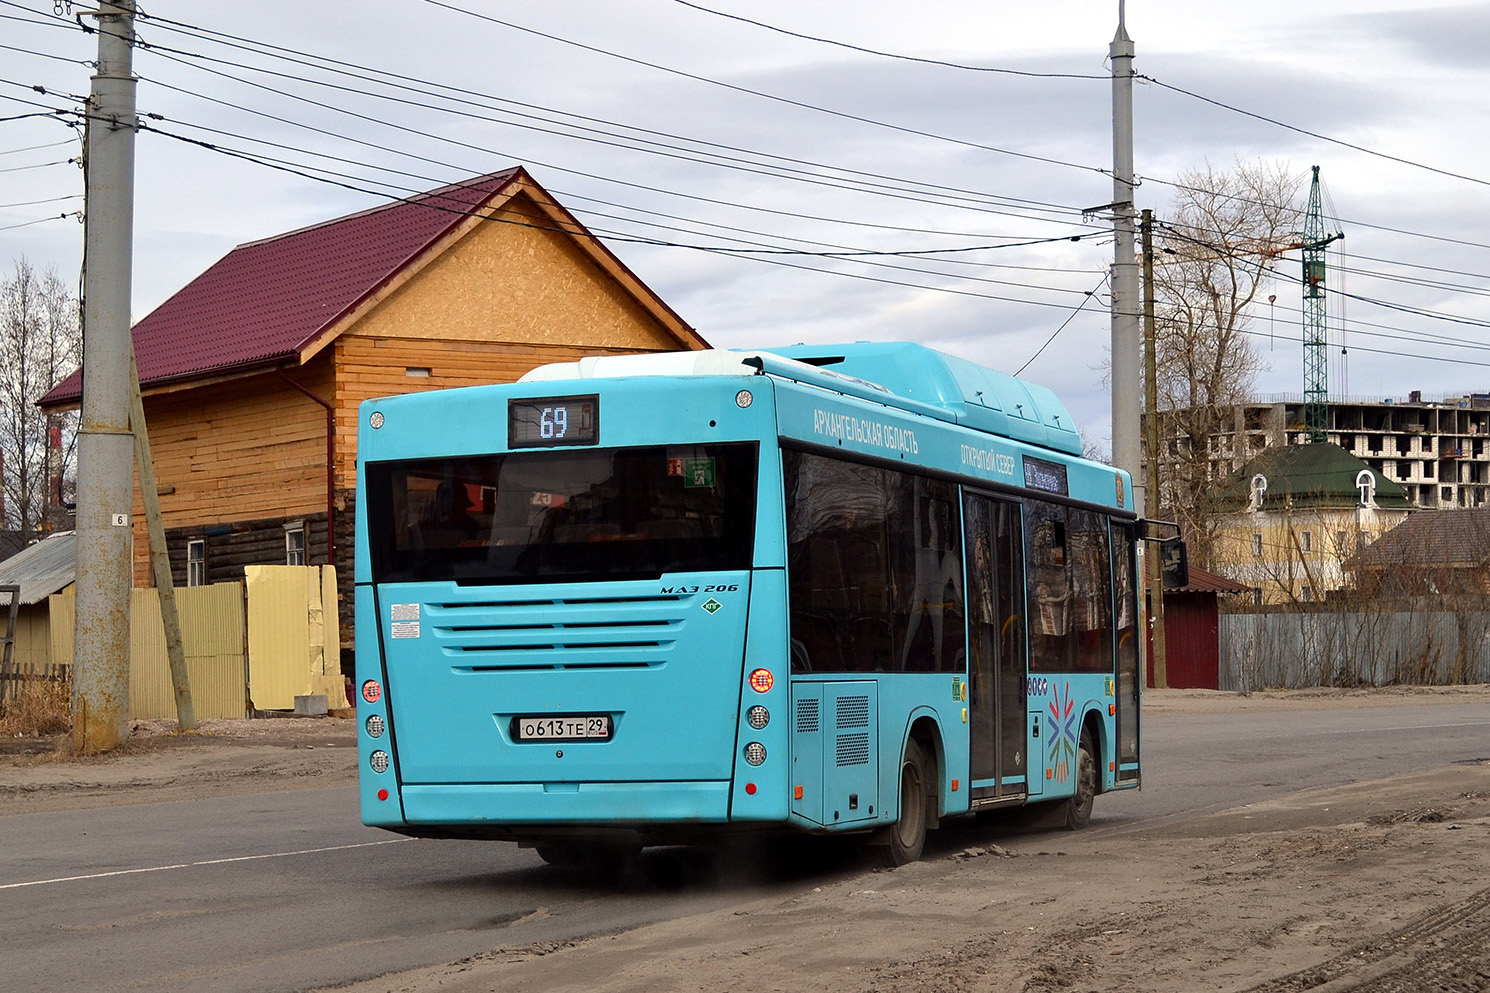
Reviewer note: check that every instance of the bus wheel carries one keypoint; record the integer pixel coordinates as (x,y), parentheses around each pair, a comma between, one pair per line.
(1079,806)
(908,835)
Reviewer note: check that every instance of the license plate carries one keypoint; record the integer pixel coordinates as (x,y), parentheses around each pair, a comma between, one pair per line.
(569,727)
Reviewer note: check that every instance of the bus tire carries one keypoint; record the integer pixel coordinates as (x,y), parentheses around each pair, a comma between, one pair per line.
(908,833)
(1079,806)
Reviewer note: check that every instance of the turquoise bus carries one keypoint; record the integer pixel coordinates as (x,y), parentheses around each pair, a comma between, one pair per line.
(643,600)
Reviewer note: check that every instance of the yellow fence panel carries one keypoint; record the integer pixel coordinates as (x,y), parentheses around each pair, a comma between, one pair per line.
(211,635)
(292,635)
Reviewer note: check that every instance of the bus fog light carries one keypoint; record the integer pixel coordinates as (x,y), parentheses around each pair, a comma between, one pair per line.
(375,726)
(379,760)
(755,753)
(758,716)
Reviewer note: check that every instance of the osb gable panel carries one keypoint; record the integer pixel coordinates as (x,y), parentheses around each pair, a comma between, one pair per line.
(516,282)
(375,367)
(234,451)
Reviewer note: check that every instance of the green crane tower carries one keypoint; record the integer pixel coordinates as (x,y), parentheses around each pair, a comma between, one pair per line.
(1316,369)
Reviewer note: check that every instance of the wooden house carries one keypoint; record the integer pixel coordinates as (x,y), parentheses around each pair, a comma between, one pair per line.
(252,373)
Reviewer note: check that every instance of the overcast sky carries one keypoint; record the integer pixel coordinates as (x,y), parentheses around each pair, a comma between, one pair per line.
(856,152)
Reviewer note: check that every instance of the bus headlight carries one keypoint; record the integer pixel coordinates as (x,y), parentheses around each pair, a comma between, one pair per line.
(758,716)
(755,753)
(378,760)
(375,726)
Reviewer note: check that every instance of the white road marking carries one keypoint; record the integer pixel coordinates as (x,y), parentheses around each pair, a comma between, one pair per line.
(193,865)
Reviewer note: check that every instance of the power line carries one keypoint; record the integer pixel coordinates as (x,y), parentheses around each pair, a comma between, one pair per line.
(770,96)
(42,220)
(886,189)
(33,203)
(891,55)
(1312,134)
(1091,295)
(35,148)
(339,67)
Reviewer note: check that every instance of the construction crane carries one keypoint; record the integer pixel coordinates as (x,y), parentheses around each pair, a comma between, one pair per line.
(1316,369)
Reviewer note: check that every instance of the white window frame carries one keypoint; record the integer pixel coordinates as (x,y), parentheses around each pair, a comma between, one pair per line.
(196,562)
(295,555)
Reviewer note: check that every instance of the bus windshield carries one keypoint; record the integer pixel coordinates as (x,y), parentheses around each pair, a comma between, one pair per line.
(563,515)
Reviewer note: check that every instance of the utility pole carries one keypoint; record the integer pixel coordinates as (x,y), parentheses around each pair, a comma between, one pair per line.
(1150,506)
(100,700)
(1125,331)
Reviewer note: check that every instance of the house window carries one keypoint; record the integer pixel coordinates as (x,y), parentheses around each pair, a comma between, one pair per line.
(1306,541)
(196,562)
(1340,539)
(1257,545)
(1306,593)
(295,543)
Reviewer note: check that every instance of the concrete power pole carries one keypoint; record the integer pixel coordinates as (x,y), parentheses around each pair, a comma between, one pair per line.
(100,700)
(1125,324)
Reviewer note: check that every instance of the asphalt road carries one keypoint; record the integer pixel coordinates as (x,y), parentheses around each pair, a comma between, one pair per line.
(288,892)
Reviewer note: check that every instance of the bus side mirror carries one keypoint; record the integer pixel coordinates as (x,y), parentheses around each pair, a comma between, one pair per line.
(1174,563)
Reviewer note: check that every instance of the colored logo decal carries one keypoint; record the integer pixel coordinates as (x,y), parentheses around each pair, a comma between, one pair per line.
(1063,749)
(711,605)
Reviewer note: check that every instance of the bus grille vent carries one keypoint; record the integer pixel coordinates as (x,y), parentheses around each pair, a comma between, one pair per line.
(853,749)
(853,712)
(807,711)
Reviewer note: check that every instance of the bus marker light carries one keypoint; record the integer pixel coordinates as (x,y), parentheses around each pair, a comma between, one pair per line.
(797,793)
(1111,709)
(750,788)
(382,794)
(1049,773)
(1112,767)
(761,680)
(954,785)
(372,692)
(743,399)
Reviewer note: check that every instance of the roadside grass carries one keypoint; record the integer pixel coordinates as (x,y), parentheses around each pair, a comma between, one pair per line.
(37,708)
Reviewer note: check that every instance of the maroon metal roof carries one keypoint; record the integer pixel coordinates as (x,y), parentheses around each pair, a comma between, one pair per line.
(1208,582)
(267,300)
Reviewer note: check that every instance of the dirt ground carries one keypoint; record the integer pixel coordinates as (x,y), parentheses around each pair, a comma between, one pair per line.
(1379,887)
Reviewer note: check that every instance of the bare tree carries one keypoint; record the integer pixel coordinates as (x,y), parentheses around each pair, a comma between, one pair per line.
(40,343)
(1220,246)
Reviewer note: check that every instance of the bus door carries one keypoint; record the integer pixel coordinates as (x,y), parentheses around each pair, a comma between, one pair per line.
(1125,589)
(996,649)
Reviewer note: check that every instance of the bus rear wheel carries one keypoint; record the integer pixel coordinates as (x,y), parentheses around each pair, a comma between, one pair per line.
(908,834)
(1079,806)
